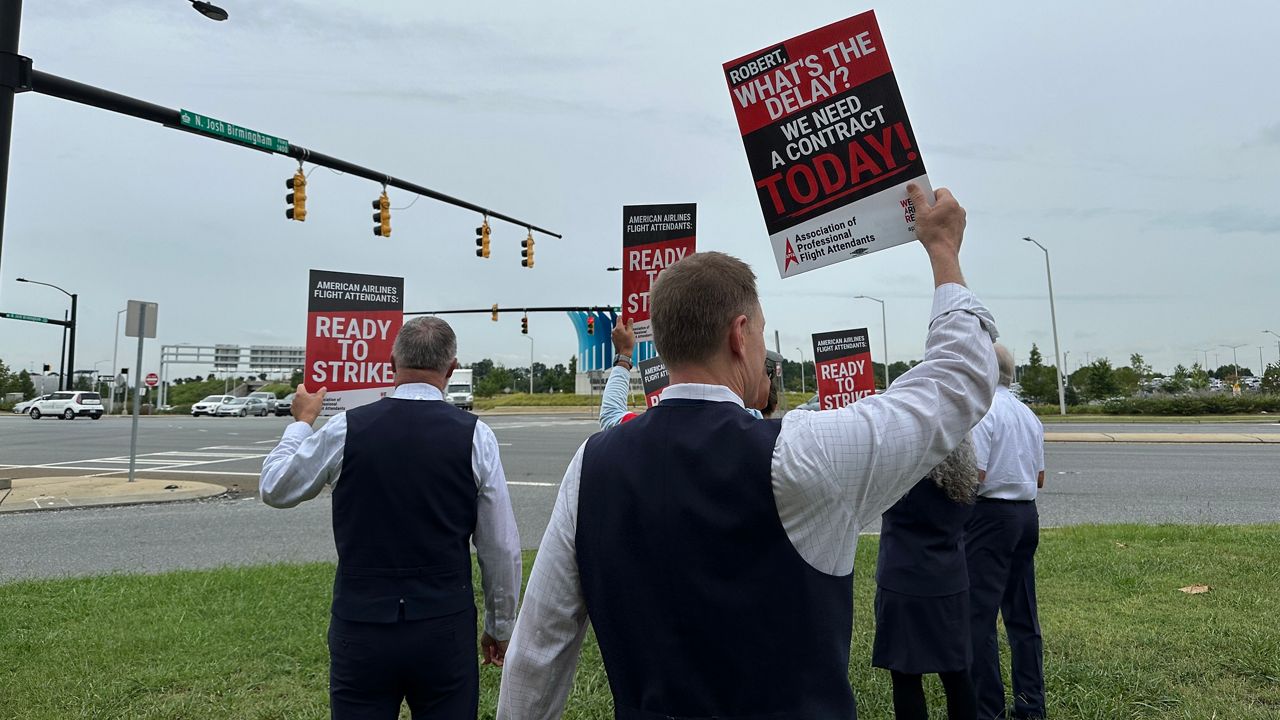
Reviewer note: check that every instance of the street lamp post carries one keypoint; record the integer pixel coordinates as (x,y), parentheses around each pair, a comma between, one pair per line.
(802,370)
(1268,332)
(115,368)
(530,363)
(884,334)
(1053,316)
(71,344)
(1235,363)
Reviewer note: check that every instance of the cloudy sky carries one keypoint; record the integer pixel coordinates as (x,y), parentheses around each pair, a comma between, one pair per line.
(1137,141)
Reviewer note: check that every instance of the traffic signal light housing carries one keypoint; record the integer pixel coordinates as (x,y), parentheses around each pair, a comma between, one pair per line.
(591,326)
(524,325)
(482,239)
(383,216)
(527,251)
(297,198)
(495,312)
(48,367)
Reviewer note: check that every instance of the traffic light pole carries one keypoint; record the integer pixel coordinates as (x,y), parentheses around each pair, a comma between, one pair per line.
(60,87)
(11,80)
(496,309)
(71,345)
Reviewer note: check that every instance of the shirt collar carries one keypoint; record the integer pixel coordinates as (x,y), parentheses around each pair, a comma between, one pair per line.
(698,391)
(417,391)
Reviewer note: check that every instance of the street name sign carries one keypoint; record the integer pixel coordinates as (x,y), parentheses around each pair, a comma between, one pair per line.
(29,318)
(236,133)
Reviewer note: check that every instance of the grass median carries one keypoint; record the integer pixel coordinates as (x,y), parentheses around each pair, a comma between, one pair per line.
(1121,639)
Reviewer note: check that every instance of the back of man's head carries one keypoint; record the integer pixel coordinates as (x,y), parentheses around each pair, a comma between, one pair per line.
(694,302)
(1004,359)
(425,343)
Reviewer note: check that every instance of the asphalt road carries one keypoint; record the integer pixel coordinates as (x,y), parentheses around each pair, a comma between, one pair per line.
(1087,483)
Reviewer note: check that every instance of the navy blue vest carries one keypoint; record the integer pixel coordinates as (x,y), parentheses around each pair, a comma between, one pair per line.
(922,544)
(404,510)
(701,605)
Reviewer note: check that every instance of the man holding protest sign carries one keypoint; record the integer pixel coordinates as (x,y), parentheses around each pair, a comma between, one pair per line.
(415,483)
(713,553)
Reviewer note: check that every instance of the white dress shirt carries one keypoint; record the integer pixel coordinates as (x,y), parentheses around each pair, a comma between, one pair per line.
(833,472)
(306,460)
(1009,446)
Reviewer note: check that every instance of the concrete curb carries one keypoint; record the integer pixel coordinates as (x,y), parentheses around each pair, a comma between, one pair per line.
(61,493)
(1185,438)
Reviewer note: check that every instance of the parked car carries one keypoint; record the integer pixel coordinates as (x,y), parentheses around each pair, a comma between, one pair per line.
(267,397)
(813,404)
(284,406)
(68,405)
(240,407)
(209,406)
(25,406)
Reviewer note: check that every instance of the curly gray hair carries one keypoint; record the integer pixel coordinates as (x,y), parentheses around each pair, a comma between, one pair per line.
(957,474)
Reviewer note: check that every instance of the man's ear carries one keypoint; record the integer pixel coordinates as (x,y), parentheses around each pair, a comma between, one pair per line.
(452,366)
(738,335)
(393,364)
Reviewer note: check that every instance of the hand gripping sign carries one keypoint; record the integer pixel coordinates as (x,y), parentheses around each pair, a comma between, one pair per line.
(654,237)
(842,363)
(352,323)
(829,144)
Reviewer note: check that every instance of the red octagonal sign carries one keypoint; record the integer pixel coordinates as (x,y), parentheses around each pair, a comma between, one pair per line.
(152,380)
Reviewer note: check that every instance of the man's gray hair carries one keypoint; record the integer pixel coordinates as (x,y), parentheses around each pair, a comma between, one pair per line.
(957,474)
(425,343)
(695,301)
(1004,359)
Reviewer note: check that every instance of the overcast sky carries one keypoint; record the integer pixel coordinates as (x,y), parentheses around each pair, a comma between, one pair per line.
(1137,141)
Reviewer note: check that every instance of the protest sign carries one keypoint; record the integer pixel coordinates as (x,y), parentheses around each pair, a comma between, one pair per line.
(829,144)
(352,322)
(654,377)
(653,238)
(842,364)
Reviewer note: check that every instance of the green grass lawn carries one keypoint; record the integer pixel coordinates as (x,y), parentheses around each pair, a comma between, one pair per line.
(1120,640)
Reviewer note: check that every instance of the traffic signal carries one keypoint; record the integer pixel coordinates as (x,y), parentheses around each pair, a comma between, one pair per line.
(495,312)
(48,367)
(383,216)
(524,324)
(591,326)
(482,239)
(297,199)
(527,252)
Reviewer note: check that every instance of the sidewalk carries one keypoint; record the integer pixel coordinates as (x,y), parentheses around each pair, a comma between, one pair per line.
(56,493)
(1140,437)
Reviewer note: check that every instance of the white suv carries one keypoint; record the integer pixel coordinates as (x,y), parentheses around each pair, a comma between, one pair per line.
(68,405)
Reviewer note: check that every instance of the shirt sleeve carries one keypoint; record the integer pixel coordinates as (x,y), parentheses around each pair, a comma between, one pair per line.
(835,471)
(496,538)
(543,655)
(982,437)
(303,462)
(613,404)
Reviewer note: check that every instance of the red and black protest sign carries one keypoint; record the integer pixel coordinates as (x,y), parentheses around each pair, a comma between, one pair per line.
(654,237)
(654,377)
(352,323)
(829,144)
(842,363)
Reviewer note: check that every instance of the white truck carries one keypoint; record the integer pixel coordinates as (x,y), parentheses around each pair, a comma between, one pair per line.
(459,392)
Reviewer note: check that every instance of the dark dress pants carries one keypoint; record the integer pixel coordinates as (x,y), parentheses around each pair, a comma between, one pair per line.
(1000,545)
(431,664)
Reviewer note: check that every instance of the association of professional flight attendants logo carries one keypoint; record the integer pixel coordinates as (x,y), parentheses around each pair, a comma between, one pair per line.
(791,257)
